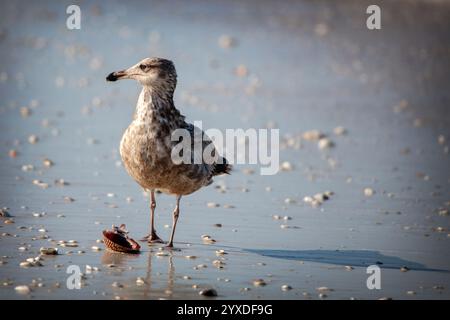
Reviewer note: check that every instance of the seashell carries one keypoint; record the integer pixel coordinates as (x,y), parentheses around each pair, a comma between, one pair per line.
(48,251)
(140,281)
(22,289)
(259,283)
(117,241)
(208,293)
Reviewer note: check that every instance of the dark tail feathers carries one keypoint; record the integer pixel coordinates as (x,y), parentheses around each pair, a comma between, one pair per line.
(222,168)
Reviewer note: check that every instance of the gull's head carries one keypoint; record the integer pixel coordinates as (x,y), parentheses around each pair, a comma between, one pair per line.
(157,73)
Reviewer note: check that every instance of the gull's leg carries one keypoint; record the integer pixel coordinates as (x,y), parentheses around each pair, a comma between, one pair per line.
(152,237)
(176,213)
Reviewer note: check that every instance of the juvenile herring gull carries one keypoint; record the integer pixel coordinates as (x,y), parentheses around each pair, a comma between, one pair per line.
(146,145)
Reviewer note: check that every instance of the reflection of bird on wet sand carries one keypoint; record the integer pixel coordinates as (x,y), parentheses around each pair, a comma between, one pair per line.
(146,147)
(121,263)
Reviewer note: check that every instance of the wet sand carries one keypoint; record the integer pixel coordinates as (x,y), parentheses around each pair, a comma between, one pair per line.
(307,66)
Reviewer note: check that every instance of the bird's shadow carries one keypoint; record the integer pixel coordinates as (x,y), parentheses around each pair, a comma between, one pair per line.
(354,258)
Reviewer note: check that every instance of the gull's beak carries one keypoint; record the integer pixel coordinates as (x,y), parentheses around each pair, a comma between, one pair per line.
(114,76)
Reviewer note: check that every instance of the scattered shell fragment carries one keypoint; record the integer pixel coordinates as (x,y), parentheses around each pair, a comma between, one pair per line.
(140,281)
(47,162)
(212,205)
(22,289)
(40,184)
(208,292)
(4,213)
(404,269)
(324,289)
(207,239)
(286,166)
(368,192)
(162,254)
(68,199)
(33,139)
(226,42)
(221,252)
(61,182)
(12,153)
(340,131)
(312,135)
(116,284)
(325,143)
(95,248)
(321,29)
(259,283)
(218,263)
(48,251)
(289,201)
(241,71)
(25,112)
(286,287)
(31,262)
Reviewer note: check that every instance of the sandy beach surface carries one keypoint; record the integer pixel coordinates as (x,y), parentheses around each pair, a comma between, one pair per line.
(378,100)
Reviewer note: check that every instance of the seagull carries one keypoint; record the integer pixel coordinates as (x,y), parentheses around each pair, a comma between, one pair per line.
(147,144)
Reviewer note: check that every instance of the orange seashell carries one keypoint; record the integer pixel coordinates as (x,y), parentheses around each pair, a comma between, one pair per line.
(118,242)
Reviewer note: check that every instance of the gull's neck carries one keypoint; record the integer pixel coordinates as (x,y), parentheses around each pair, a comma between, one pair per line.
(154,105)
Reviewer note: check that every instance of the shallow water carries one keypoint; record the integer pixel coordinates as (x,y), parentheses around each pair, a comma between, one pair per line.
(311,66)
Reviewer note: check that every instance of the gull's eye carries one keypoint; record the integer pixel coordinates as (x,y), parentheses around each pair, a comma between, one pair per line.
(143,67)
